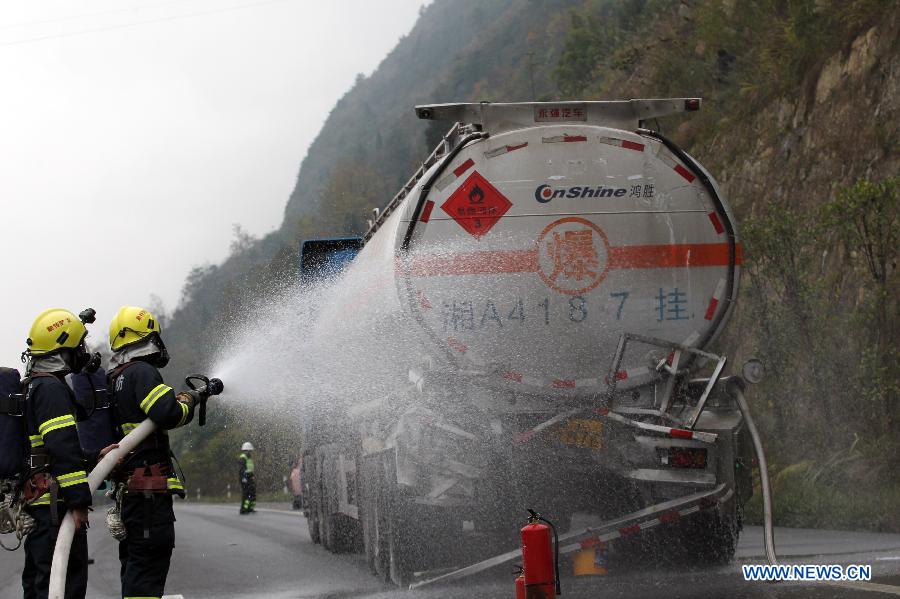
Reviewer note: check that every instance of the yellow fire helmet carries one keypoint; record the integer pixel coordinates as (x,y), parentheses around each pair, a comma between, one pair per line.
(130,325)
(53,330)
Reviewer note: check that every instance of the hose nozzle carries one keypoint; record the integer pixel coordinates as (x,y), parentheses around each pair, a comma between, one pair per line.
(206,389)
(215,387)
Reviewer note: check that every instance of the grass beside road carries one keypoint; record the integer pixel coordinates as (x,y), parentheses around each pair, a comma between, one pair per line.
(803,500)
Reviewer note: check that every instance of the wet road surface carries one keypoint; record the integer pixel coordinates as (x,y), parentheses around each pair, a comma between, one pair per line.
(268,554)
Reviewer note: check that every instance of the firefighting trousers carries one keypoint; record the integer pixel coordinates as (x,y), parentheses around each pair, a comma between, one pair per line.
(146,552)
(39,546)
(145,561)
(248,494)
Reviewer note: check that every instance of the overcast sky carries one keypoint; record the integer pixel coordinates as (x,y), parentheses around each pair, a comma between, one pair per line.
(134,134)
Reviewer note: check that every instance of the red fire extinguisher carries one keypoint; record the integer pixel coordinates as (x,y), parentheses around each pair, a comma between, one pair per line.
(520,583)
(540,557)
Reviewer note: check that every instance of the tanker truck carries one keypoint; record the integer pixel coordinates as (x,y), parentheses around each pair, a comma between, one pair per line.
(561,273)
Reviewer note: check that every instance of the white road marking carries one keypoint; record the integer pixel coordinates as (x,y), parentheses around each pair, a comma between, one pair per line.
(868,586)
(259,509)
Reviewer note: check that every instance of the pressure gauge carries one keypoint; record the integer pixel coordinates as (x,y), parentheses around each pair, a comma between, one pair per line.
(753,371)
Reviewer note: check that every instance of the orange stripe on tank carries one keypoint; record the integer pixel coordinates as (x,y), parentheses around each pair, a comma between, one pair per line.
(620,258)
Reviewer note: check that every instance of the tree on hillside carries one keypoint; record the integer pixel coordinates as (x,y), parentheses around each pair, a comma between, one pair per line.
(353,189)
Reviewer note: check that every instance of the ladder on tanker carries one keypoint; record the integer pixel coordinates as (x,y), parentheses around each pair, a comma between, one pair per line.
(453,138)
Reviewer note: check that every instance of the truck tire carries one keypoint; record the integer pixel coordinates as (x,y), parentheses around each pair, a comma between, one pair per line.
(312,524)
(320,506)
(417,537)
(372,514)
(312,494)
(711,538)
(404,539)
(707,538)
(324,528)
(339,532)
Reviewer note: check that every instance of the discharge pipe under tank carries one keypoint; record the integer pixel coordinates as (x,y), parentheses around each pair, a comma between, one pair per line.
(735,387)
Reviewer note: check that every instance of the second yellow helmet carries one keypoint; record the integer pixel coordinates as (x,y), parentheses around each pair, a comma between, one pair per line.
(130,325)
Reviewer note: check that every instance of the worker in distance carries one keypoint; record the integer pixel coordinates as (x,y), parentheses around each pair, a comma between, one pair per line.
(247,476)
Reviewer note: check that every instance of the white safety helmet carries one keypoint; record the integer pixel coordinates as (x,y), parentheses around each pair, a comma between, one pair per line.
(247,446)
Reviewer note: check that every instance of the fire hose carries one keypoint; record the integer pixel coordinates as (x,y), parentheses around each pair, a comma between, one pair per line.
(60,565)
(768,527)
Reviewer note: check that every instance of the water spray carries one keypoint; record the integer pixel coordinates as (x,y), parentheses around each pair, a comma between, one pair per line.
(60,565)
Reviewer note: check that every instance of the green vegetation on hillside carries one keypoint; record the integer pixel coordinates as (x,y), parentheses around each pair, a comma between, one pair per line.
(822,299)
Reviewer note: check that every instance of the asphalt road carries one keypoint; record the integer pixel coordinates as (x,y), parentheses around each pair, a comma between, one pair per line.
(220,554)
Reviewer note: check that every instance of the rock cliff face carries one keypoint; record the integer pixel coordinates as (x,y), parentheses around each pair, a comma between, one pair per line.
(840,126)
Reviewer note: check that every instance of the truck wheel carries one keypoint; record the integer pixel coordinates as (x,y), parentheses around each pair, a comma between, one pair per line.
(339,532)
(708,538)
(404,557)
(711,538)
(324,529)
(312,523)
(418,536)
(312,496)
(372,516)
(381,563)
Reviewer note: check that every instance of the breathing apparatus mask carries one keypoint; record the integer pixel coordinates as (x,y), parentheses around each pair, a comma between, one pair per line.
(159,360)
(81,360)
(151,349)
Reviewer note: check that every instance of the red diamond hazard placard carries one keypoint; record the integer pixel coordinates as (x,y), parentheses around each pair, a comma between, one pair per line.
(476,205)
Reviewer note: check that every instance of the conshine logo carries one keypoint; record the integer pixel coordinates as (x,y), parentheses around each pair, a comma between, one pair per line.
(545,193)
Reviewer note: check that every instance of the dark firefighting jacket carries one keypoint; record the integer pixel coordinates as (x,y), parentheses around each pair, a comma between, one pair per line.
(139,393)
(50,412)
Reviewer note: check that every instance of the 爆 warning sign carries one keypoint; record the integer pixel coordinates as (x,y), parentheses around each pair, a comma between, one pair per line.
(573,255)
(476,205)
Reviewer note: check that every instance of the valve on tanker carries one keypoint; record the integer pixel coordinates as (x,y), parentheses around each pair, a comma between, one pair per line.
(205,387)
(540,558)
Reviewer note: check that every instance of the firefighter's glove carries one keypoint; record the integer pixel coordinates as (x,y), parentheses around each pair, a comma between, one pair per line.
(190,397)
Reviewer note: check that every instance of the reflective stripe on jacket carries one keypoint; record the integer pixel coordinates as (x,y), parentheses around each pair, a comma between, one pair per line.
(50,422)
(247,465)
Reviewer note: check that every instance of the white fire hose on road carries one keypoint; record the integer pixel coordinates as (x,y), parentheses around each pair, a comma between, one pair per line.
(59,567)
(768,527)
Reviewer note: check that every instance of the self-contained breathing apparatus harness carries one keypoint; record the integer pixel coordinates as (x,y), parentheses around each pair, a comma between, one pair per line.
(33,480)
(154,474)
(133,479)
(13,518)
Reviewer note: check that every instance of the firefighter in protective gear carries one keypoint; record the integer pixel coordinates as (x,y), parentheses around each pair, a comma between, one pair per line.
(58,477)
(147,477)
(248,480)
